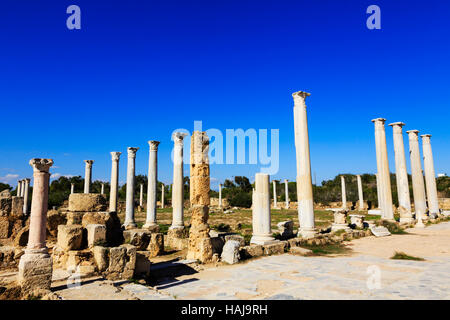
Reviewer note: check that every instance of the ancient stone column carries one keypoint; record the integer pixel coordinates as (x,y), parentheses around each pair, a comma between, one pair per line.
(162,195)
(152,184)
(286,192)
(401,175)
(417,176)
(129,210)
(25,195)
(430,177)
(141,195)
(220,195)
(115,156)
(262,231)
(177,187)
(88,175)
(199,245)
(343,193)
(377,179)
(103,189)
(304,182)
(383,170)
(19,188)
(275,205)
(35,266)
(72,188)
(360,193)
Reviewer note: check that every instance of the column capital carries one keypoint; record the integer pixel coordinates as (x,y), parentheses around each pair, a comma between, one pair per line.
(300,97)
(178,137)
(132,152)
(89,163)
(115,155)
(425,135)
(379,120)
(413,132)
(397,124)
(41,165)
(27,180)
(153,145)
(285,180)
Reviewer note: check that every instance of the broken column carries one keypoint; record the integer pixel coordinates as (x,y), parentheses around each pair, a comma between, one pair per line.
(18,190)
(383,170)
(25,196)
(72,188)
(220,195)
(177,187)
(343,193)
(35,266)
(162,195)
(150,223)
(199,245)
(420,206)
(129,209)
(102,191)
(430,177)
(87,175)
(401,175)
(360,193)
(304,182)
(262,231)
(115,156)
(141,195)
(275,205)
(286,193)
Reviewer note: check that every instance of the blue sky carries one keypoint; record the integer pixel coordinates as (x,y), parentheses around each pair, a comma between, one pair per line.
(137,70)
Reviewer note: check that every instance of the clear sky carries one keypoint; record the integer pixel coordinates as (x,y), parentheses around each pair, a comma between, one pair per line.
(137,70)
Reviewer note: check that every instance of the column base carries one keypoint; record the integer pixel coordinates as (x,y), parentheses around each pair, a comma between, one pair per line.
(419,224)
(35,270)
(129,225)
(389,219)
(339,226)
(263,239)
(175,227)
(306,233)
(407,220)
(151,226)
(433,215)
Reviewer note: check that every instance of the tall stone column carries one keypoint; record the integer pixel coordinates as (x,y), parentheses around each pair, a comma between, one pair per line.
(72,188)
(286,193)
(88,175)
(401,174)
(275,205)
(103,189)
(220,195)
(420,206)
(152,184)
(115,157)
(129,210)
(430,176)
(199,245)
(25,195)
(262,231)
(360,193)
(304,181)
(19,188)
(35,266)
(177,187)
(162,195)
(383,170)
(343,193)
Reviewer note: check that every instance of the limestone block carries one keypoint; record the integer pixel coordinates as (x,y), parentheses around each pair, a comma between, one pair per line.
(130,264)
(35,271)
(4,227)
(114,236)
(73,218)
(17,207)
(122,262)
(96,234)
(235,237)
(230,252)
(142,263)
(76,258)
(87,202)
(137,237)
(5,194)
(100,255)
(301,251)
(286,229)
(217,244)
(70,237)
(54,219)
(156,245)
(275,248)
(5,206)
(8,256)
(199,245)
(177,238)
(21,238)
(251,251)
(357,220)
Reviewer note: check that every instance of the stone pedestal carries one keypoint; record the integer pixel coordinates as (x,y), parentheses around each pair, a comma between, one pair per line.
(420,206)
(152,183)
(88,175)
(177,187)
(340,220)
(129,211)
(430,176)
(115,156)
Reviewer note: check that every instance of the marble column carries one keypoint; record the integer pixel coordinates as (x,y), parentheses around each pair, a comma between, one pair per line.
(343,193)
(275,204)
(141,195)
(35,266)
(88,175)
(103,189)
(152,184)
(177,187)
(262,231)
(162,195)
(430,176)
(383,170)
(420,206)
(401,175)
(360,193)
(129,210)
(19,188)
(379,200)
(286,193)
(220,195)
(72,188)
(115,157)
(25,195)
(304,182)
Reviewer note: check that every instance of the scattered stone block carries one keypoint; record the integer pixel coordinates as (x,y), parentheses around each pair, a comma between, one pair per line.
(156,245)
(299,251)
(4,227)
(379,231)
(357,220)
(138,238)
(177,238)
(340,220)
(100,255)
(76,258)
(252,251)
(274,248)
(5,206)
(230,252)
(217,244)
(96,235)
(35,271)
(70,237)
(143,263)
(87,202)
(54,219)
(21,238)
(286,229)
(122,262)
(374,212)
(74,218)
(17,207)
(235,237)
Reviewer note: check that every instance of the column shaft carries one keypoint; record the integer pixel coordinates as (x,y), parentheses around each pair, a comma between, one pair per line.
(115,156)
(275,205)
(152,183)
(25,196)
(343,193)
(129,210)
(420,206)
(88,175)
(430,176)
(360,193)
(262,231)
(177,187)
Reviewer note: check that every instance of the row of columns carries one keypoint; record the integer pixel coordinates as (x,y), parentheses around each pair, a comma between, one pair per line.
(23,188)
